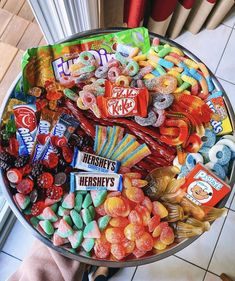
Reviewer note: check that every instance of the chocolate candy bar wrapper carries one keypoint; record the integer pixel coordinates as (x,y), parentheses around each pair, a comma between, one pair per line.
(203,187)
(47,122)
(95,181)
(53,61)
(216,103)
(26,125)
(65,127)
(90,162)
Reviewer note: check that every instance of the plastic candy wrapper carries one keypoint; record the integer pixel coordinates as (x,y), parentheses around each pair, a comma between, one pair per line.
(216,103)
(47,122)
(65,126)
(26,124)
(95,181)
(53,61)
(91,162)
(203,187)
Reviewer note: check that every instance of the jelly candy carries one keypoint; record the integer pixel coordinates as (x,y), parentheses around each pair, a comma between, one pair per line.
(159,209)
(76,239)
(114,235)
(48,214)
(147,203)
(135,218)
(68,201)
(167,235)
(145,242)
(25,186)
(22,201)
(37,208)
(157,231)
(115,206)
(119,222)
(103,222)
(133,231)
(64,229)
(138,253)
(129,246)
(45,180)
(47,227)
(91,230)
(144,213)
(153,223)
(134,194)
(88,244)
(158,245)
(54,192)
(118,251)
(102,248)
(76,218)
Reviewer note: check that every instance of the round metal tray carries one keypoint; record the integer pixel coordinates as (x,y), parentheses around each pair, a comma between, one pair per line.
(132,262)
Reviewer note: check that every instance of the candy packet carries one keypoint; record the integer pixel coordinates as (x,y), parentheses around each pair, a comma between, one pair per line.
(53,61)
(216,103)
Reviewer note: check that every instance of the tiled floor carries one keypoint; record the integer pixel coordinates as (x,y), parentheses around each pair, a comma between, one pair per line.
(213,253)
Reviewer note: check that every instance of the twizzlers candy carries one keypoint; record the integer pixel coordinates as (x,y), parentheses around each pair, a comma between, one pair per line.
(123,101)
(26,124)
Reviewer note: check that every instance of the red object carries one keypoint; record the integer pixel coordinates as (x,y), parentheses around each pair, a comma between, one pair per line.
(14,175)
(25,117)
(13,148)
(37,208)
(54,192)
(188,4)
(41,138)
(53,160)
(123,101)
(45,180)
(25,186)
(134,12)
(203,187)
(162,9)
(67,154)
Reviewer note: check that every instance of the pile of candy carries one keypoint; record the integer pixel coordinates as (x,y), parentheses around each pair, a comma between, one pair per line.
(103,147)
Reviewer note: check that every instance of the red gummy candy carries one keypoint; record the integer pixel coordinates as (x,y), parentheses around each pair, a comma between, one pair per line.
(118,251)
(67,154)
(41,138)
(153,223)
(25,186)
(102,247)
(53,95)
(37,208)
(54,192)
(53,160)
(135,217)
(13,148)
(145,242)
(40,104)
(45,180)
(100,210)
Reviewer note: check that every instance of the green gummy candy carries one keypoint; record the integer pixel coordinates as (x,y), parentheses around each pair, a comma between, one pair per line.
(75,228)
(27,211)
(78,202)
(71,250)
(86,216)
(87,201)
(40,217)
(61,211)
(76,239)
(82,192)
(76,218)
(88,244)
(103,222)
(54,207)
(47,227)
(68,220)
(34,221)
(26,203)
(92,211)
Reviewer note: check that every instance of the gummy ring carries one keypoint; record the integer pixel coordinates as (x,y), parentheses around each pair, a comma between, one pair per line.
(228,142)
(131,68)
(162,101)
(83,77)
(140,84)
(209,138)
(80,104)
(83,70)
(122,81)
(148,121)
(101,71)
(100,86)
(217,169)
(205,153)
(166,84)
(67,81)
(88,98)
(86,57)
(119,57)
(220,154)
(112,63)
(192,159)
(113,73)
(160,117)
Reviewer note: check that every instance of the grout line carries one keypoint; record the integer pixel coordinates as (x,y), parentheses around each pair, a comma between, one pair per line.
(190,262)
(224,50)
(221,229)
(204,277)
(213,273)
(11,255)
(134,273)
(232,202)
(225,80)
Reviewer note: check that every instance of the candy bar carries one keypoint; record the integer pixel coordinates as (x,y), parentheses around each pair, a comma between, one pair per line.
(95,181)
(26,124)
(203,187)
(65,126)
(47,121)
(90,162)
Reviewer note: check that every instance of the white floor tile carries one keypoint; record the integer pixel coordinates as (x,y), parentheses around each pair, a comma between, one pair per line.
(124,274)
(8,266)
(228,203)
(227,63)
(207,45)
(211,277)
(223,258)
(169,269)
(19,241)
(232,207)
(229,88)
(230,18)
(201,250)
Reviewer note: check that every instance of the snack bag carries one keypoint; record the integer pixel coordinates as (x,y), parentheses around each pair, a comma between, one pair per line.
(203,187)
(223,125)
(53,61)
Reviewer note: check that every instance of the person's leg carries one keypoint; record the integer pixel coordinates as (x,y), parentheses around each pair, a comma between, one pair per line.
(44,264)
(104,273)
